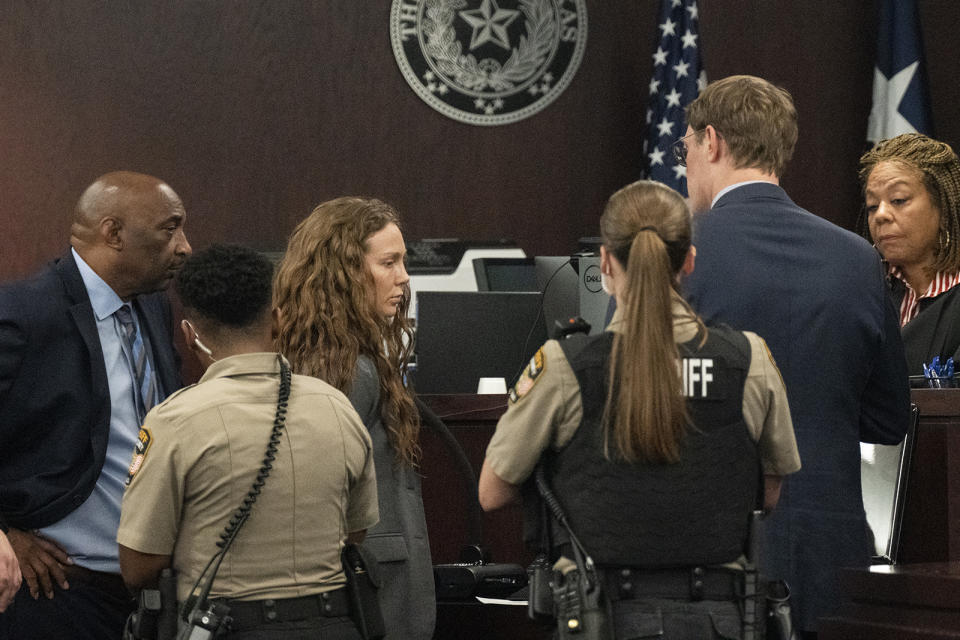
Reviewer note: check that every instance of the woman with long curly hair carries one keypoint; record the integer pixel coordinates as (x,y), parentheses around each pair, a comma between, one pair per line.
(342,297)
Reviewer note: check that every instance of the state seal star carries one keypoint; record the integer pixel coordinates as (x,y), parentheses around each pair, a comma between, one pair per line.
(489,24)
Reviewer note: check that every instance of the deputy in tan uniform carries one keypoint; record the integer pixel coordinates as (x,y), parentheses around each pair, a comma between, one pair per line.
(200,452)
(658,473)
(549,415)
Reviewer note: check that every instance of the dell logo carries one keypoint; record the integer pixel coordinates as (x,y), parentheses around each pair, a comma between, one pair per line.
(591,279)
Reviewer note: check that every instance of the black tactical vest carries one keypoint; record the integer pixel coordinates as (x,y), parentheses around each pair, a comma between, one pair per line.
(647,515)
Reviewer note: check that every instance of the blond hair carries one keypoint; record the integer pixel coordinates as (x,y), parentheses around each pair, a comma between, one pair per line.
(756,119)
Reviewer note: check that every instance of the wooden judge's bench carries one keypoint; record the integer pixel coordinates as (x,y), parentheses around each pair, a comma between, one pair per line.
(919,598)
(472,420)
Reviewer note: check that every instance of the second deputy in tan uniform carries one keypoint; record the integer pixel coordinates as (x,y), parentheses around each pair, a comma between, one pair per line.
(200,452)
(551,409)
(657,473)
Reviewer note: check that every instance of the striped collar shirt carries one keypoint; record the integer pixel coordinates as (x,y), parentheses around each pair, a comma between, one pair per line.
(910,305)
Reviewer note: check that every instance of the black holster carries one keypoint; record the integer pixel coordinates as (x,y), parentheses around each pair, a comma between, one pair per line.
(363,585)
(156,614)
(579,604)
(766,603)
(540,595)
(779,622)
(572,587)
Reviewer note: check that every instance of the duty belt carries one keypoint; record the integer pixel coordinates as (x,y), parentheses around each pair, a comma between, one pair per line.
(690,583)
(250,614)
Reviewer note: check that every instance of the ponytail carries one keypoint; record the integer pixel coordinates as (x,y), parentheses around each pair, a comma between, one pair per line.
(646,228)
(645,412)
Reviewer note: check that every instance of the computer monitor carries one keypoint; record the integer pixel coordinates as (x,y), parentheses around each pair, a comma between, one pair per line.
(505,274)
(557,278)
(594,301)
(464,336)
(446,264)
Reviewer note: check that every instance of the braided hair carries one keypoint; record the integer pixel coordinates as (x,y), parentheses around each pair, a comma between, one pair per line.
(939,168)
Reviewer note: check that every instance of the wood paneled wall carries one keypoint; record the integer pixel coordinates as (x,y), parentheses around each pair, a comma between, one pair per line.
(257,110)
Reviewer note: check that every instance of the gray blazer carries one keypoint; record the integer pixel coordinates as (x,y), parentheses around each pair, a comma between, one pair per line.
(399,540)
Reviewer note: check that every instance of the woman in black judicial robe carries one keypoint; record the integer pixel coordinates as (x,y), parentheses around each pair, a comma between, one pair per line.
(911,186)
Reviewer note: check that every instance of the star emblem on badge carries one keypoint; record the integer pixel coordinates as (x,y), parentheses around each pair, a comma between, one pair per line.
(489,24)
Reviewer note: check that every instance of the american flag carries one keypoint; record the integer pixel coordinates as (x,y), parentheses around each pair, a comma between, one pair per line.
(900,98)
(677,79)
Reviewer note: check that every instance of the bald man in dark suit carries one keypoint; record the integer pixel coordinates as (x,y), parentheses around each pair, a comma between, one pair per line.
(85,349)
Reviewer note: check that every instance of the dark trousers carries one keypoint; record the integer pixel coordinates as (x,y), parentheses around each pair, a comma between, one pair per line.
(676,619)
(86,611)
(308,629)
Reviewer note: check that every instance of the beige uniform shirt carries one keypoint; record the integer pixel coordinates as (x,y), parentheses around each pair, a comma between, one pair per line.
(200,452)
(545,407)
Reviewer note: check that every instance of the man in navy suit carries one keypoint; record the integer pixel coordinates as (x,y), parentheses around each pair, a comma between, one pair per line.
(85,350)
(815,293)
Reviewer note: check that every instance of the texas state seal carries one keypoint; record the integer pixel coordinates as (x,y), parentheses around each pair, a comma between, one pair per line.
(488,62)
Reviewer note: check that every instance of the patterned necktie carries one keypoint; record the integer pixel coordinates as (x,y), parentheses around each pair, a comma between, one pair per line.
(144,384)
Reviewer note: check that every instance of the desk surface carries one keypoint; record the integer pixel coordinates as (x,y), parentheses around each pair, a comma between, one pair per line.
(906,602)
(937,402)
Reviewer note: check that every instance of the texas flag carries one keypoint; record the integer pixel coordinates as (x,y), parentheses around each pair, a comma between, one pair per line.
(900,99)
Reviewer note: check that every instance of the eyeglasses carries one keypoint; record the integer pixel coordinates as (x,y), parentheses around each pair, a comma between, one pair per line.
(680,149)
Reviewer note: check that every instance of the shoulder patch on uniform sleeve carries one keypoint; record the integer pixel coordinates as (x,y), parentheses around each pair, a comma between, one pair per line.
(529,378)
(773,363)
(144,438)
